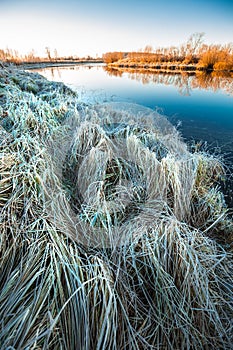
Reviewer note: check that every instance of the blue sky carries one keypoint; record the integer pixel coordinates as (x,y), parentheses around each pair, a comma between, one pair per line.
(97,26)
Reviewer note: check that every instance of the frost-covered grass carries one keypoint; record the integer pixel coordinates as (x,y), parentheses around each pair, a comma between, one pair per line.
(113,235)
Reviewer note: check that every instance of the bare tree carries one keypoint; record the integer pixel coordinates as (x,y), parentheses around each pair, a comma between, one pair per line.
(194,42)
(55,54)
(148,49)
(48,53)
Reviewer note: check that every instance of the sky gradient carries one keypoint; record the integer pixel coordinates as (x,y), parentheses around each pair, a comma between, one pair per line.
(92,27)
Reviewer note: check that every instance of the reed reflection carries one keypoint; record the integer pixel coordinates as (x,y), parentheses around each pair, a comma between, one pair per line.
(185,82)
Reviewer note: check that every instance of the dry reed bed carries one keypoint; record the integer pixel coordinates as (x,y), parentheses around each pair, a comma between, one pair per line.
(113,235)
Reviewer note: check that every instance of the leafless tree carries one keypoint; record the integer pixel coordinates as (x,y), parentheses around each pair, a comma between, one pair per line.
(48,53)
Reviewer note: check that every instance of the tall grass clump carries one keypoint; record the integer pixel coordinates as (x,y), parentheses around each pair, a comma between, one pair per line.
(113,234)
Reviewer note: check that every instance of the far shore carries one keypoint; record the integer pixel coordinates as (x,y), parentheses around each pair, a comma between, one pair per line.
(47,64)
(163,67)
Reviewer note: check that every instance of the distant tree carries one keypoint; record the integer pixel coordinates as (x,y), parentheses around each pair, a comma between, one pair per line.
(48,53)
(111,57)
(192,47)
(31,56)
(148,49)
(195,41)
(55,54)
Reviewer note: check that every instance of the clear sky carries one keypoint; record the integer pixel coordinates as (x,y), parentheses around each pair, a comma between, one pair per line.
(91,27)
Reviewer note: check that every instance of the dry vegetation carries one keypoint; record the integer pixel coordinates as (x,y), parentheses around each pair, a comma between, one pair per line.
(113,235)
(13,56)
(193,55)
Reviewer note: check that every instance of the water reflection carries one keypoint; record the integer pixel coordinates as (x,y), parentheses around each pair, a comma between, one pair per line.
(184,82)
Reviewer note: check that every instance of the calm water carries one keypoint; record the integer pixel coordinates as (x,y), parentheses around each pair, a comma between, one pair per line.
(201,106)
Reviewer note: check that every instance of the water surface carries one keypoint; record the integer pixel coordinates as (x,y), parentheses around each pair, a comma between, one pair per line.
(201,106)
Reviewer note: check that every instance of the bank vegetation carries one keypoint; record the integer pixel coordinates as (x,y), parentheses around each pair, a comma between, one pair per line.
(191,56)
(50,57)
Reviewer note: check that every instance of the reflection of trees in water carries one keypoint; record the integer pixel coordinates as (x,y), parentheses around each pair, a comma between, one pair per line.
(180,81)
(57,70)
(215,81)
(113,72)
(184,81)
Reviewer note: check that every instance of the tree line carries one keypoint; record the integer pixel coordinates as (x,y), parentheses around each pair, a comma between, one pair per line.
(13,56)
(193,52)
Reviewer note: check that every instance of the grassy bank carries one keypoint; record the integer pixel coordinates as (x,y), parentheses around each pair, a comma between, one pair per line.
(177,67)
(66,63)
(158,67)
(44,64)
(113,235)
(191,56)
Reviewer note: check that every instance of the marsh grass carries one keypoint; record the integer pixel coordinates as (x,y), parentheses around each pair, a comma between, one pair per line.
(113,235)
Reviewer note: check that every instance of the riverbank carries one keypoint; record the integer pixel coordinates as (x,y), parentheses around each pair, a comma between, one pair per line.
(158,67)
(45,64)
(106,217)
(167,67)
(67,63)
(207,58)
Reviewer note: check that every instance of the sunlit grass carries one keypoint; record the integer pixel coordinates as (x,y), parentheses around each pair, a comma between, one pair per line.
(113,235)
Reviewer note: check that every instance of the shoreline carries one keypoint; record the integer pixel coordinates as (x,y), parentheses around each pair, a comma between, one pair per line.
(165,67)
(41,65)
